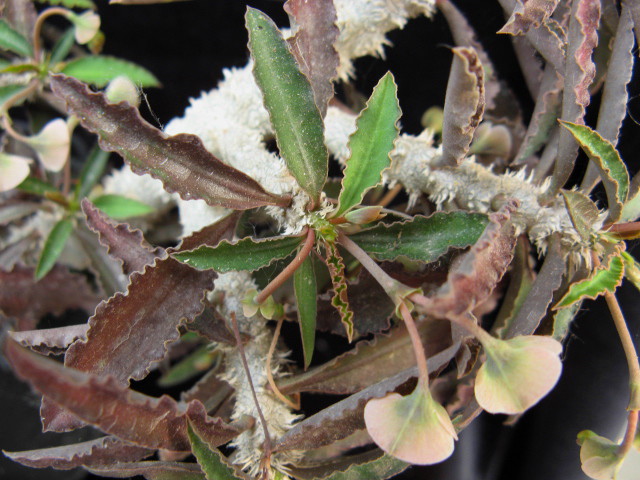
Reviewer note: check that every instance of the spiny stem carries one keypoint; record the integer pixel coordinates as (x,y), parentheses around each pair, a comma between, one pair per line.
(289,269)
(267,437)
(418,347)
(627,343)
(272,383)
(37,29)
(629,434)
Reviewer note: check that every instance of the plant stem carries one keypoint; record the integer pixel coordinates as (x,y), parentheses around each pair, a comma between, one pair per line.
(272,383)
(418,347)
(627,345)
(12,100)
(391,194)
(629,434)
(37,29)
(289,269)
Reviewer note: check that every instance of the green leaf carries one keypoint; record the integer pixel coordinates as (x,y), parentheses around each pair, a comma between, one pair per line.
(209,460)
(615,176)
(289,99)
(245,254)
(36,186)
(340,301)
(120,208)
(63,46)
(631,269)
(381,468)
(8,91)
(92,171)
(603,279)
(370,144)
(99,70)
(304,284)
(71,3)
(191,366)
(631,208)
(583,213)
(53,246)
(13,41)
(423,238)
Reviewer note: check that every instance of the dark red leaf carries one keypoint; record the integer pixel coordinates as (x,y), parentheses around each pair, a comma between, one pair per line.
(51,341)
(315,33)
(181,162)
(102,452)
(103,402)
(152,471)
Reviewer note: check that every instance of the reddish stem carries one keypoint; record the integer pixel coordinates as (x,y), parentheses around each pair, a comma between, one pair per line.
(416,342)
(629,434)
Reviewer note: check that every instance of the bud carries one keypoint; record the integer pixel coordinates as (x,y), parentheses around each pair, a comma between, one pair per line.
(87,25)
(122,89)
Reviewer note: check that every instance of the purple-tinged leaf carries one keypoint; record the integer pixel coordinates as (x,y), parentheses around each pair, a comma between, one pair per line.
(463,105)
(152,470)
(102,452)
(129,332)
(528,15)
(579,72)
(635,15)
(103,402)
(369,362)
(212,326)
(464,36)
(544,115)
(213,234)
(181,162)
(210,390)
(530,66)
(27,300)
(340,301)
(613,105)
(126,245)
(315,33)
(51,341)
(22,16)
(478,271)
(212,462)
(534,307)
(550,41)
(346,416)
(369,465)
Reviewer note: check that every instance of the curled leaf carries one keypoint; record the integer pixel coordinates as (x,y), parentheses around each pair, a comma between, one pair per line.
(606,278)
(599,456)
(517,373)
(51,340)
(415,428)
(528,15)
(340,301)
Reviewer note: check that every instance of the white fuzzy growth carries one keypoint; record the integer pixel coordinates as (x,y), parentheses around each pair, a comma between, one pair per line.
(248,446)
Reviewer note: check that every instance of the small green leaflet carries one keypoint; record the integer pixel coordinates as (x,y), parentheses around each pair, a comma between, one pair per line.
(189,367)
(71,3)
(289,99)
(603,279)
(422,238)
(245,254)
(99,70)
(120,208)
(53,246)
(340,301)
(370,144)
(13,41)
(36,186)
(210,460)
(304,284)
(92,171)
(615,176)
(63,46)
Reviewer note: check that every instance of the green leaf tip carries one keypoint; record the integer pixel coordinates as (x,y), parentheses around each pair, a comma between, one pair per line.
(304,284)
(371,144)
(53,246)
(210,460)
(289,99)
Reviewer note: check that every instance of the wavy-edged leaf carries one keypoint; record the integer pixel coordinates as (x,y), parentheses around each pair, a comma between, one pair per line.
(106,404)
(131,331)
(48,341)
(545,114)
(152,470)
(422,238)
(315,33)
(340,300)
(463,105)
(369,362)
(192,365)
(631,208)
(124,244)
(99,70)
(289,99)
(381,468)
(579,72)
(53,246)
(119,207)
(370,144)
(631,269)
(28,300)
(245,254)
(211,461)
(14,169)
(13,41)
(479,270)
(528,15)
(346,416)
(603,279)
(304,284)
(92,171)
(102,452)
(603,154)
(583,212)
(181,162)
